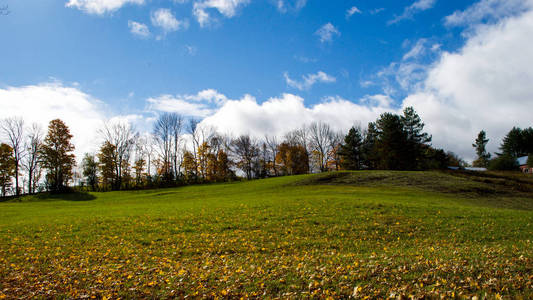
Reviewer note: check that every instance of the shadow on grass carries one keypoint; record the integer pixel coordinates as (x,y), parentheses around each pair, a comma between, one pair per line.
(71,196)
(74,196)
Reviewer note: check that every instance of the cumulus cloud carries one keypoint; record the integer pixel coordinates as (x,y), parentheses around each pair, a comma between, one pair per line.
(485,85)
(411,10)
(227,8)
(327,32)
(277,116)
(100,7)
(200,105)
(164,19)
(139,29)
(309,80)
(352,11)
(47,101)
(488,11)
(287,5)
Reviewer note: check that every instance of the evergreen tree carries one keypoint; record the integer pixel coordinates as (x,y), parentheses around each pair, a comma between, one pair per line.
(391,144)
(351,150)
(368,149)
(480,145)
(57,156)
(512,144)
(417,140)
(518,142)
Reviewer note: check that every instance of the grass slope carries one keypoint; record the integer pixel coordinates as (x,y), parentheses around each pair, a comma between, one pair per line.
(361,234)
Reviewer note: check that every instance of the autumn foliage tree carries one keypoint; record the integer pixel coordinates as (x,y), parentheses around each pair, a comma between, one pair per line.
(57,157)
(292,159)
(7,168)
(106,158)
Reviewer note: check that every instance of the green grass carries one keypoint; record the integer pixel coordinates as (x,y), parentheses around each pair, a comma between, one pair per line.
(362,234)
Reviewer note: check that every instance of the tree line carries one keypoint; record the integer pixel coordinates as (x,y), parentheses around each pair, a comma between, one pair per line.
(182,151)
(516,143)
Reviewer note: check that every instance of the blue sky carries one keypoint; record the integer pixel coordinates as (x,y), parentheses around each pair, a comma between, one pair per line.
(136,58)
(248,53)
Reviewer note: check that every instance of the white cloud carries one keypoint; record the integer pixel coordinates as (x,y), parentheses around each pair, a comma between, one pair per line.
(309,80)
(277,116)
(485,85)
(164,19)
(327,32)
(100,7)
(353,10)
(47,101)
(411,10)
(290,5)
(200,105)
(487,10)
(417,50)
(409,74)
(227,8)
(139,29)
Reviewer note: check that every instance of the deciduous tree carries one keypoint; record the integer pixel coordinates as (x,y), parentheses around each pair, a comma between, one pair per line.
(246,151)
(31,161)
(13,129)
(90,170)
(7,168)
(107,161)
(123,137)
(320,140)
(57,156)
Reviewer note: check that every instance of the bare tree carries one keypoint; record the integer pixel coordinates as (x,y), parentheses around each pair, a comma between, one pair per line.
(163,134)
(272,146)
(31,161)
(177,125)
(199,134)
(246,151)
(13,129)
(335,143)
(320,142)
(122,136)
(193,130)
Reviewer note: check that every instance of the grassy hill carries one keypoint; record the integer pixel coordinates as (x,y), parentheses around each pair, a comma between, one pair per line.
(361,234)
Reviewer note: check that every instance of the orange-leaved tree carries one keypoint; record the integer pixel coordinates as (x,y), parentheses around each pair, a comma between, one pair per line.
(7,168)
(57,157)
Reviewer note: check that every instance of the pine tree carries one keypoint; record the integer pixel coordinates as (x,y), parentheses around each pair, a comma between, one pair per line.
(417,140)
(391,144)
(480,145)
(351,150)
(368,149)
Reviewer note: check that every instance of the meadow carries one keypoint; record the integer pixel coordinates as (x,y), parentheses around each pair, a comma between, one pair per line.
(368,234)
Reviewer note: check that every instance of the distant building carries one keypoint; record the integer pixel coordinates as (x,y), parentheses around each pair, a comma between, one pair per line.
(522,163)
